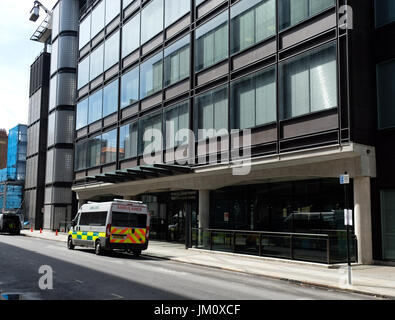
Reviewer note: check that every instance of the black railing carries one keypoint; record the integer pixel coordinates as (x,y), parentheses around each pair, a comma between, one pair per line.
(328,248)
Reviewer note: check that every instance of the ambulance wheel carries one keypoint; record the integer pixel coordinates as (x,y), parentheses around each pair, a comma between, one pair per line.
(137,253)
(98,249)
(70,245)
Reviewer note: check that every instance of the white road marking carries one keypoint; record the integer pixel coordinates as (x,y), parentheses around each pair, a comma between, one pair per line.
(117,296)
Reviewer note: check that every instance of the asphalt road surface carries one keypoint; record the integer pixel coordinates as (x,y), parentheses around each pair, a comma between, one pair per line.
(80,274)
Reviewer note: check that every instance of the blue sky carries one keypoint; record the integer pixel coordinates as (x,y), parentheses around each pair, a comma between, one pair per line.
(16,55)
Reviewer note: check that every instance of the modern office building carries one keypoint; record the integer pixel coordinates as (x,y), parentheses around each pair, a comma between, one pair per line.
(37,136)
(300,76)
(3,148)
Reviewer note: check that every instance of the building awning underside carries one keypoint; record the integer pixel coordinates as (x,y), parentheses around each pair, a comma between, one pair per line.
(138,173)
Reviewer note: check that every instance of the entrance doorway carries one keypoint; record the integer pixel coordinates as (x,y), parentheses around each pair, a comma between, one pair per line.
(388,224)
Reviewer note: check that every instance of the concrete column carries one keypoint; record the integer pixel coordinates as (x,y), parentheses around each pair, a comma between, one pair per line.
(363,219)
(204,209)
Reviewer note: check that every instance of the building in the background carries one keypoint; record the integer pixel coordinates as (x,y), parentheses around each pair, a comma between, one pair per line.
(37,137)
(12,178)
(3,148)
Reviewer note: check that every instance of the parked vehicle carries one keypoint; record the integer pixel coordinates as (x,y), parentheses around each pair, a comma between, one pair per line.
(116,225)
(10,223)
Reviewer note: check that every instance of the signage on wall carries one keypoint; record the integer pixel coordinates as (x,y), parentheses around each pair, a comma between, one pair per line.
(348,217)
(344,179)
(226,216)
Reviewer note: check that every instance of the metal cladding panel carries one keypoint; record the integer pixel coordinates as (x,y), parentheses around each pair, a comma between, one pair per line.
(51,129)
(49,167)
(53,92)
(55,21)
(48,217)
(68,52)
(69,17)
(48,195)
(63,166)
(64,127)
(66,93)
(54,56)
(33,135)
(61,195)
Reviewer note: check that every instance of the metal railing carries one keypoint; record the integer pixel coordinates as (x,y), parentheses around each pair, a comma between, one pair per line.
(321,248)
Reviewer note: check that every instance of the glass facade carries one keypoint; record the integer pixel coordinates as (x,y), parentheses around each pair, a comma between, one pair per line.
(109,147)
(110,98)
(128,141)
(111,51)
(386,94)
(212,42)
(151,20)
(176,118)
(211,111)
(151,76)
(95,112)
(82,114)
(83,73)
(177,61)
(131,36)
(291,12)
(254,100)
(94,152)
(175,9)
(308,82)
(385,12)
(252,22)
(130,88)
(147,138)
(96,62)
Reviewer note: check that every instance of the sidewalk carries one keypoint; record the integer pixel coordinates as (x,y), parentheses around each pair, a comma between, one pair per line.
(372,280)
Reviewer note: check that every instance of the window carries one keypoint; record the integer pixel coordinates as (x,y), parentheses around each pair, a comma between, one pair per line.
(83,73)
(128,139)
(151,20)
(111,52)
(175,9)
(109,147)
(110,98)
(80,155)
(177,61)
(95,106)
(131,36)
(291,12)
(254,100)
(151,76)
(388,223)
(130,220)
(82,114)
(85,32)
(96,63)
(98,19)
(212,110)
(252,22)
(308,82)
(146,124)
(94,149)
(130,88)
(212,42)
(176,118)
(386,94)
(96,219)
(113,8)
(385,12)
(126,3)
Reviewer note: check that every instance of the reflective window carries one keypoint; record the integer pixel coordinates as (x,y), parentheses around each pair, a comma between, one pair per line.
(94,152)
(95,106)
(385,12)
(113,8)
(130,88)
(85,32)
(308,82)
(292,12)
(177,61)
(147,127)
(98,19)
(82,114)
(110,98)
(175,9)
(126,3)
(252,22)
(212,110)
(151,20)
(128,139)
(176,119)
(151,73)
(96,63)
(253,100)
(131,36)
(81,149)
(386,94)
(212,42)
(109,147)
(83,72)
(111,51)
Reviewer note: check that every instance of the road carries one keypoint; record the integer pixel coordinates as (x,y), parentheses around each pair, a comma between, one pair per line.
(80,274)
